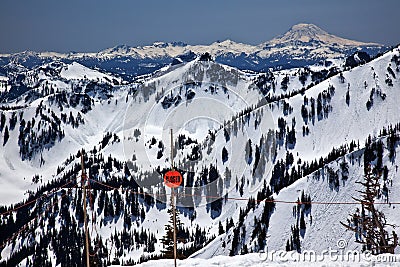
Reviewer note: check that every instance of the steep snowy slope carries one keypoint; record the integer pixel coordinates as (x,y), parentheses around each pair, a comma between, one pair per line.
(50,88)
(103,120)
(242,141)
(369,107)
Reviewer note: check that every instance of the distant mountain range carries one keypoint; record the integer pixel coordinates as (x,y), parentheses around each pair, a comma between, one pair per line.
(302,45)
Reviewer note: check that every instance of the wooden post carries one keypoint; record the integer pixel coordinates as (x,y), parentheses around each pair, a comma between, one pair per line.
(174,219)
(172,150)
(84,210)
(173,197)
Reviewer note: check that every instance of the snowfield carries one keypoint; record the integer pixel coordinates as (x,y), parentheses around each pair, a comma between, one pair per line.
(238,135)
(284,259)
(76,71)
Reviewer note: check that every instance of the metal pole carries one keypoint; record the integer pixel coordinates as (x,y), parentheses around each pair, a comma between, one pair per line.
(172,150)
(174,219)
(173,196)
(84,211)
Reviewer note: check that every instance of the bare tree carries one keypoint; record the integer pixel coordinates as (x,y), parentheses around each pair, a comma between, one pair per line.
(370,224)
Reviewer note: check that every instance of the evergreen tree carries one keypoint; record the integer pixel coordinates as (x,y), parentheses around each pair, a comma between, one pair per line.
(220,228)
(348,98)
(288,246)
(302,221)
(168,239)
(6,136)
(249,152)
(227,133)
(2,121)
(224,155)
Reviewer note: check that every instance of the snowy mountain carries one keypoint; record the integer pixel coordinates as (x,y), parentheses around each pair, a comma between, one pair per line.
(309,40)
(251,147)
(302,45)
(309,32)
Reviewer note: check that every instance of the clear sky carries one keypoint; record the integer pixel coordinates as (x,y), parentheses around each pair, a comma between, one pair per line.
(93,25)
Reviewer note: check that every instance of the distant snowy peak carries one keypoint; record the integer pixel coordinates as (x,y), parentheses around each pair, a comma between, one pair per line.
(174,49)
(303,45)
(304,32)
(307,42)
(229,46)
(305,35)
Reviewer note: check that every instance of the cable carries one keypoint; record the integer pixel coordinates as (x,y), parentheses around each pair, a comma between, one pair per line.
(34,200)
(28,223)
(128,190)
(264,200)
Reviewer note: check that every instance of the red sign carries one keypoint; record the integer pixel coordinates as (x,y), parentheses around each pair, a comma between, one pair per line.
(173,179)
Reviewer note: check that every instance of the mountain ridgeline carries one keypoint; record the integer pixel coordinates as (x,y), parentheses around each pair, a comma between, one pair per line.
(302,45)
(267,157)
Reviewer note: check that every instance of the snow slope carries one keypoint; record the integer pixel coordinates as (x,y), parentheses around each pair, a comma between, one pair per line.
(76,71)
(262,259)
(343,124)
(224,99)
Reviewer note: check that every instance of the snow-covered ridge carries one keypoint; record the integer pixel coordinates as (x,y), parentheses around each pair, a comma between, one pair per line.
(309,32)
(300,32)
(155,98)
(302,45)
(76,71)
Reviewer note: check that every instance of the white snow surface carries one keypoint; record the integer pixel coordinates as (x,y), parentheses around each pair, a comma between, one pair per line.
(344,124)
(309,32)
(76,71)
(302,32)
(124,113)
(289,259)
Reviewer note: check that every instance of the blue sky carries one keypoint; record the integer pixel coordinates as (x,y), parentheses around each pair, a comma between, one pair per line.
(93,25)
